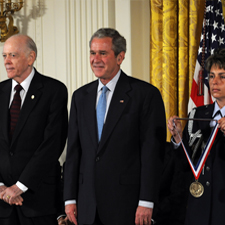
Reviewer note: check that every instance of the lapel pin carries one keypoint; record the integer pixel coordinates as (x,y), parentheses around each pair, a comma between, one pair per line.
(121,101)
(32,96)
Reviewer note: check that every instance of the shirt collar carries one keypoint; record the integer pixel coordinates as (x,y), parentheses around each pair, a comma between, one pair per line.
(26,83)
(216,108)
(111,84)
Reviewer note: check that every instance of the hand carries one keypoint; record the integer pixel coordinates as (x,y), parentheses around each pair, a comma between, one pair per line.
(221,123)
(11,195)
(71,212)
(143,216)
(2,188)
(175,131)
(64,221)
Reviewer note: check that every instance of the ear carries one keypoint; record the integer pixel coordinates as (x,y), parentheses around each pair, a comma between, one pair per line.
(31,58)
(120,57)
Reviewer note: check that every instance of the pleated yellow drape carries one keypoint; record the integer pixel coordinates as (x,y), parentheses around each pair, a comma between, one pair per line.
(223,4)
(175,29)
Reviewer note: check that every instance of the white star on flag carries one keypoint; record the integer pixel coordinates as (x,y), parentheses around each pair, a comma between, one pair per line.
(213,36)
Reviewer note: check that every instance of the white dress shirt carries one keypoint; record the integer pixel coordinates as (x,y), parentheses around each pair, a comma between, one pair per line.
(218,116)
(25,85)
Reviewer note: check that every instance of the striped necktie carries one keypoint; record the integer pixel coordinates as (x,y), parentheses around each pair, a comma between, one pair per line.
(15,109)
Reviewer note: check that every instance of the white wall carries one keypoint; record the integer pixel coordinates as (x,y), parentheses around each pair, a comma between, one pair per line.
(62,29)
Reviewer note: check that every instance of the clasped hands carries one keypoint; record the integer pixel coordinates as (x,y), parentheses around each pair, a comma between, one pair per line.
(11,195)
(64,221)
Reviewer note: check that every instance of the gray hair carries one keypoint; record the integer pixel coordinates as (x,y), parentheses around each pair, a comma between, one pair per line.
(30,44)
(118,41)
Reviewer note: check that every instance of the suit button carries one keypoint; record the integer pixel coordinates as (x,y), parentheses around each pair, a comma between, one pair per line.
(208,168)
(207,183)
(11,153)
(97,159)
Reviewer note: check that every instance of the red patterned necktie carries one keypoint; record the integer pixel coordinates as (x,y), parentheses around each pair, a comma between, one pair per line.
(15,109)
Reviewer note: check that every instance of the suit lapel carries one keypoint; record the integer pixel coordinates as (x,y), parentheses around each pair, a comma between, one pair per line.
(116,108)
(209,111)
(206,113)
(205,126)
(219,134)
(33,95)
(89,105)
(4,109)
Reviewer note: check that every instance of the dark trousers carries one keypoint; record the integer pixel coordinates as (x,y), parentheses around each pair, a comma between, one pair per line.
(97,220)
(17,218)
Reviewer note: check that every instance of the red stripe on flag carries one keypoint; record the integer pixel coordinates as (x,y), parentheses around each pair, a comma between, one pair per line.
(198,100)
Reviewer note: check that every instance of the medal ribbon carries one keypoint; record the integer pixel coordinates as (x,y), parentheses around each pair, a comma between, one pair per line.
(201,162)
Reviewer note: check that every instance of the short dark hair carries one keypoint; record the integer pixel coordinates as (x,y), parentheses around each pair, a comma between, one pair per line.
(118,41)
(217,59)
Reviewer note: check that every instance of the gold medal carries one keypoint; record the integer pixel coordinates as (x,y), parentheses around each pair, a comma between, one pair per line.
(196,189)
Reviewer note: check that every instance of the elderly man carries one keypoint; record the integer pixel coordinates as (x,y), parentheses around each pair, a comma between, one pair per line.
(33,121)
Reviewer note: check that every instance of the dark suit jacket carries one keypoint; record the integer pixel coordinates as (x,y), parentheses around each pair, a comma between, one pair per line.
(173,191)
(38,140)
(122,169)
(210,207)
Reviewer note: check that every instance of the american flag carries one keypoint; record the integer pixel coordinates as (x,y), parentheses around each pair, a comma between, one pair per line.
(212,37)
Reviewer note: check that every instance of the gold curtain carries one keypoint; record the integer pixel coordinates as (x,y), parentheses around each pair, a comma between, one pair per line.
(175,30)
(223,4)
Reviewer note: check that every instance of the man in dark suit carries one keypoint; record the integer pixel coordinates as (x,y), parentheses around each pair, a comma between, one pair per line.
(111,177)
(61,217)
(206,203)
(31,144)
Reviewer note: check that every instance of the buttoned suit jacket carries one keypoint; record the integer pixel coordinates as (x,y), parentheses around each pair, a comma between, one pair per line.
(39,138)
(114,174)
(209,208)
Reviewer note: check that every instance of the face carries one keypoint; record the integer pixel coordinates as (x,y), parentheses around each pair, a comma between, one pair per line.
(17,59)
(217,84)
(103,62)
